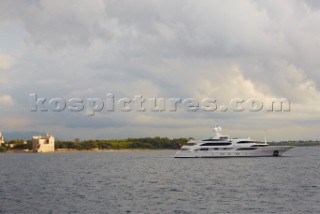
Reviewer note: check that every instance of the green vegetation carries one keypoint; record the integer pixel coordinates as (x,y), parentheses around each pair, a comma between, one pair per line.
(16,145)
(3,148)
(19,144)
(130,143)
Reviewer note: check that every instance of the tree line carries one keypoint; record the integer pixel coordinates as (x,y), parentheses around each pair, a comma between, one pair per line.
(130,143)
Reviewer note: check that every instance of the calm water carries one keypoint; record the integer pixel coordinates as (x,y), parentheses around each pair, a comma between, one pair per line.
(154,182)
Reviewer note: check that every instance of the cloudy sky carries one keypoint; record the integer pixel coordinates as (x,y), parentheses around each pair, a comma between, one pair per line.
(161,49)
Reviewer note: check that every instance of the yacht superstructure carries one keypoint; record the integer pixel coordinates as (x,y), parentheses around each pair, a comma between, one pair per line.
(223,146)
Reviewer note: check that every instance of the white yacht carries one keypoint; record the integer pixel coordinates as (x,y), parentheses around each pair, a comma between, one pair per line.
(224,146)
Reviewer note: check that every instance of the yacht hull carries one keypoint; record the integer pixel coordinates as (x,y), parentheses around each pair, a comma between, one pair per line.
(268,151)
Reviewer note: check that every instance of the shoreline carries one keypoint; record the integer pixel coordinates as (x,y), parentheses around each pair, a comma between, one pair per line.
(93,150)
(109,150)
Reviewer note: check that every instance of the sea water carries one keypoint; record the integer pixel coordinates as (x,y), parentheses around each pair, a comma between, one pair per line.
(155,182)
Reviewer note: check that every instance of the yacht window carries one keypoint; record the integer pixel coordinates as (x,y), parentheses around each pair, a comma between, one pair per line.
(245,142)
(215,144)
(250,148)
(259,145)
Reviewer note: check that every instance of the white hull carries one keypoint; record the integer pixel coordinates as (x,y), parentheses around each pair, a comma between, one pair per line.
(268,151)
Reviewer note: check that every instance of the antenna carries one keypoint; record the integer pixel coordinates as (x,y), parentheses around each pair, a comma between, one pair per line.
(265,136)
(215,126)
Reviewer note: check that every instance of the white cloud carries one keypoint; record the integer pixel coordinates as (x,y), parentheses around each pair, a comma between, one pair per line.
(220,49)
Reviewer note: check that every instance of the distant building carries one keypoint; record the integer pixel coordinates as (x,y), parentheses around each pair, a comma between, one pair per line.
(43,144)
(1,139)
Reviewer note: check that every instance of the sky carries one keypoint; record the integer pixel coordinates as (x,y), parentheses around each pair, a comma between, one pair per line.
(219,50)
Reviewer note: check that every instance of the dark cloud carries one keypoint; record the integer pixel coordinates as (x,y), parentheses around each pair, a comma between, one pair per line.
(313,4)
